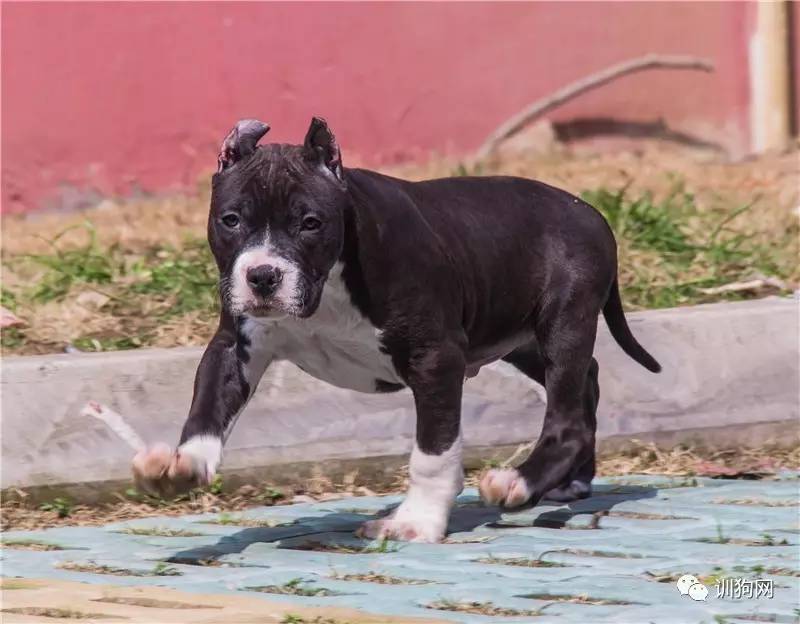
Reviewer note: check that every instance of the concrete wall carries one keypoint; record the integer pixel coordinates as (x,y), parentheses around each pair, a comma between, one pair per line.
(728,368)
(119,98)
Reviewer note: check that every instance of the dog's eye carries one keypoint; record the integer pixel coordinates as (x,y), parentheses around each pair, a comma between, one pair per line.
(311,223)
(231,219)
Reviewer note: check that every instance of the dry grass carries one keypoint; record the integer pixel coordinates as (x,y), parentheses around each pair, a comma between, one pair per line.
(140,274)
(29,544)
(159,532)
(294,587)
(160,569)
(637,515)
(19,514)
(381,579)
(597,553)
(759,502)
(577,599)
(647,458)
(226,519)
(483,608)
(523,562)
(53,612)
(379,547)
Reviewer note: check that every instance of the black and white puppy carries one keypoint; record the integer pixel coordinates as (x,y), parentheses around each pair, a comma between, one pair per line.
(376,284)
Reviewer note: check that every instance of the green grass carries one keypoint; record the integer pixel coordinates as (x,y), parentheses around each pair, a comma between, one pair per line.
(159,532)
(29,544)
(525,562)
(61,506)
(160,569)
(670,252)
(228,519)
(294,587)
(138,292)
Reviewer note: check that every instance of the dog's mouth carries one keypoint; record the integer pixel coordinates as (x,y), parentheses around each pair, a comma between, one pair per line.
(300,301)
(302,305)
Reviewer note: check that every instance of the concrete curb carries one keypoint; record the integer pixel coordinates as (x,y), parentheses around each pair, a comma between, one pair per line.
(731,364)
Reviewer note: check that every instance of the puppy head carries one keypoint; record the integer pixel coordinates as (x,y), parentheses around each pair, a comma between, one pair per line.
(276,225)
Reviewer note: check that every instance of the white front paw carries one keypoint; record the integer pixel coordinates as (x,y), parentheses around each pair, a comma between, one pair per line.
(408,524)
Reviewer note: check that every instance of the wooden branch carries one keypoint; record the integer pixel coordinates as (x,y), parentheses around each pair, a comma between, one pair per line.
(650,61)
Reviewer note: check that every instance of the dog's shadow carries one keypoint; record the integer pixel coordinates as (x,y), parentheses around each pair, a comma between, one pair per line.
(335,531)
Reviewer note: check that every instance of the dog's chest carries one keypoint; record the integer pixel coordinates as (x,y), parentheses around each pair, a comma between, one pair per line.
(337,344)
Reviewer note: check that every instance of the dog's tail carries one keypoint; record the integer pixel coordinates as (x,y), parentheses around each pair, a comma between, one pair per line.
(615,319)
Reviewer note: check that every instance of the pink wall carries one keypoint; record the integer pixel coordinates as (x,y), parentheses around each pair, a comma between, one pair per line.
(103,99)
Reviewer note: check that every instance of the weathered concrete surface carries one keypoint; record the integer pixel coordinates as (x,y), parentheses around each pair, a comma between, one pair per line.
(724,365)
(612,558)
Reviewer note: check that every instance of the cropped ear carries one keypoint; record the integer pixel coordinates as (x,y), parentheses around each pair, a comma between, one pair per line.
(320,145)
(240,142)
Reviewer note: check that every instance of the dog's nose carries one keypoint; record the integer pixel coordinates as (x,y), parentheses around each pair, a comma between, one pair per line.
(264,279)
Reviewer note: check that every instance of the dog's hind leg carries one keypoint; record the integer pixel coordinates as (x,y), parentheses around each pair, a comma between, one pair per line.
(579,483)
(562,463)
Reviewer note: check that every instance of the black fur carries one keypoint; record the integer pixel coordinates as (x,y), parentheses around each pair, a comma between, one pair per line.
(456,273)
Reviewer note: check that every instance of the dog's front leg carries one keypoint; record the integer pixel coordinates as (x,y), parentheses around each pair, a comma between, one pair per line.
(436,476)
(229,371)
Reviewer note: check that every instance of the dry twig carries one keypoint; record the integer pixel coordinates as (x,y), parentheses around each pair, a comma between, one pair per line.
(650,61)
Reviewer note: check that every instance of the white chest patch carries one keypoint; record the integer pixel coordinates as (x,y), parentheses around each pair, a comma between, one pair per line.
(336,344)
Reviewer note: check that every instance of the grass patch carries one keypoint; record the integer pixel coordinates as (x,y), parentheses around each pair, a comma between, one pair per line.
(108,298)
(152,603)
(295,587)
(672,253)
(766,540)
(292,618)
(773,570)
(29,544)
(160,569)
(381,579)
(470,539)
(577,599)
(636,515)
(61,506)
(523,562)
(483,608)
(596,553)
(144,285)
(67,614)
(227,519)
(756,502)
(208,562)
(160,532)
(381,546)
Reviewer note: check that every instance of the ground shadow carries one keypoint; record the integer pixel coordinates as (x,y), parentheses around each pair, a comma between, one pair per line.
(602,500)
(334,531)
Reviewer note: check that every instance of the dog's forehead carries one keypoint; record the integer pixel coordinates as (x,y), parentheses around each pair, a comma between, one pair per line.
(272,173)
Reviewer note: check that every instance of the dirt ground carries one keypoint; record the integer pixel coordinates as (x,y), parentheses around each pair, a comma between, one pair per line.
(32,600)
(16,513)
